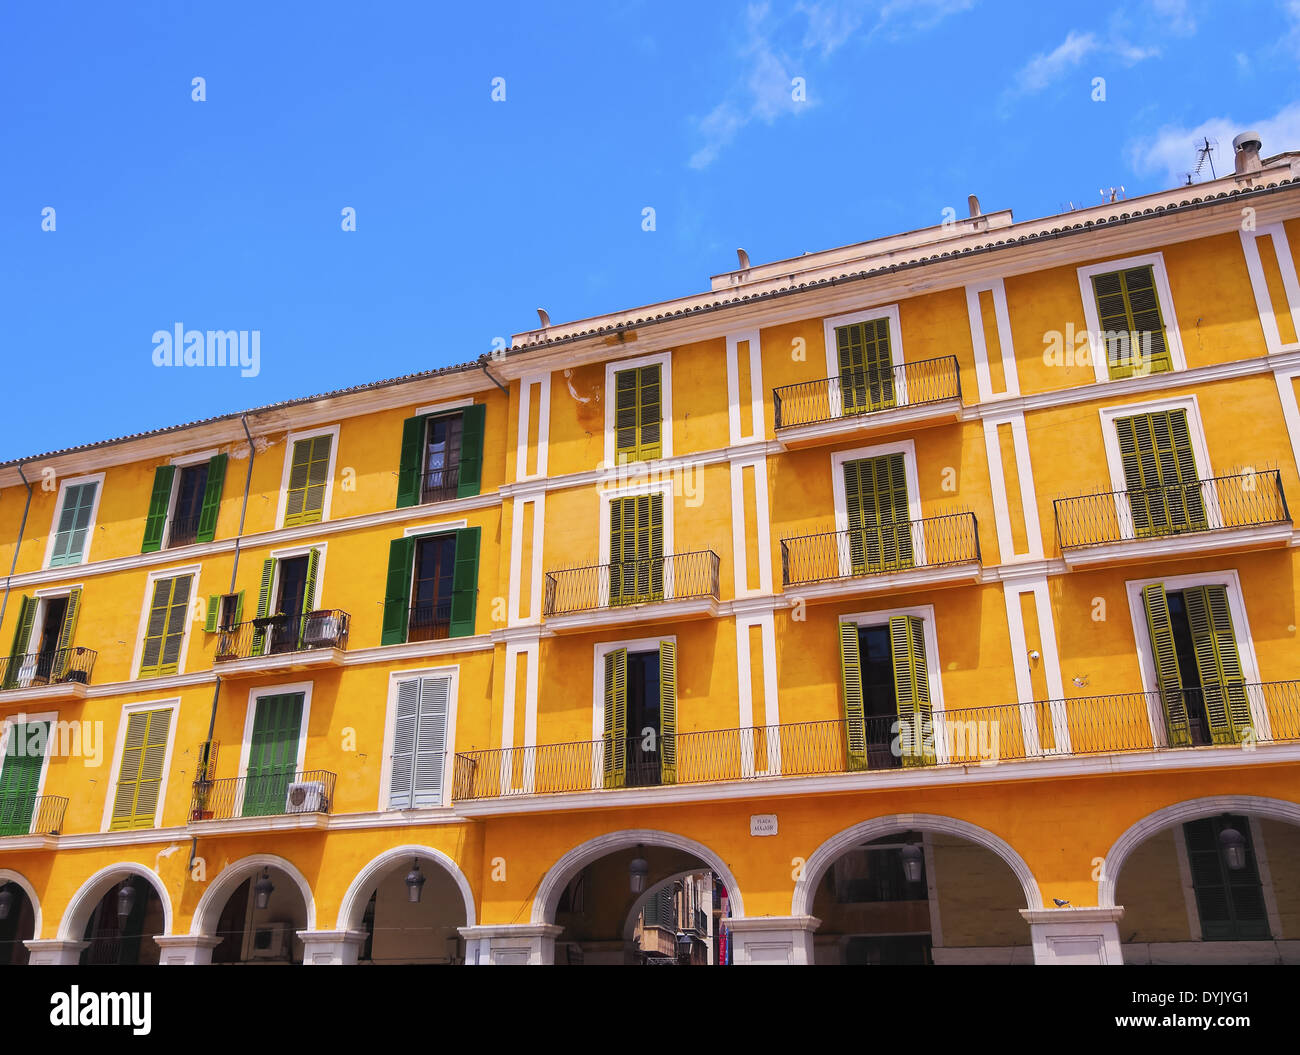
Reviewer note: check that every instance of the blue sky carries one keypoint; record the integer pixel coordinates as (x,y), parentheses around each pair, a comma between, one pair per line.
(226,213)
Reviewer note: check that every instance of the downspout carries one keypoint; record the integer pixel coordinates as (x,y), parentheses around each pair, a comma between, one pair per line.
(234,571)
(483,364)
(22,526)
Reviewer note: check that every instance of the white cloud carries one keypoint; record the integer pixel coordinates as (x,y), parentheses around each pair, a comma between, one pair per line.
(1171,151)
(1043,69)
(1174,16)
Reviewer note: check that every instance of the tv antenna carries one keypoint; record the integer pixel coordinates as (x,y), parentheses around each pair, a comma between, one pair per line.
(1204,153)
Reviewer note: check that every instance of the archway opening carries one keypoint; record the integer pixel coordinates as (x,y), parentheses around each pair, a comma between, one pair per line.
(414,909)
(17,924)
(260,920)
(123,922)
(1214,888)
(919,897)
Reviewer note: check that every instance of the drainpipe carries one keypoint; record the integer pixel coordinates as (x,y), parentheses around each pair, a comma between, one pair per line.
(483,365)
(234,571)
(22,526)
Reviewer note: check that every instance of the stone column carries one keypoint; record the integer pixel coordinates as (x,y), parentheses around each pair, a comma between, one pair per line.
(772,939)
(186,949)
(1075,935)
(326,947)
(511,943)
(54,952)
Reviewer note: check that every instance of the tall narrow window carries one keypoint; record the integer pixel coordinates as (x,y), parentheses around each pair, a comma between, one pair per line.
(866,366)
(1164,490)
(1230,900)
(888,714)
(272,753)
(638,414)
(636,549)
(442,456)
(308,480)
(1132,327)
(420,604)
(184,506)
(880,532)
(431,590)
(191,486)
(20,776)
(140,775)
(165,626)
(640,724)
(419,743)
(73,524)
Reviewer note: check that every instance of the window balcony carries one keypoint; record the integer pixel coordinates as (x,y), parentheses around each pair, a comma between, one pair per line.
(868,403)
(273,800)
(909,554)
(1028,733)
(674,587)
(52,674)
(30,822)
(282,643)
(1226,514)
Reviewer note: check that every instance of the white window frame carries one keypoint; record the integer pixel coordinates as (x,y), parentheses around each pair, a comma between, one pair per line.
(174,705)
(1227,578)
(7,725)
(192,570)
(181,462)
(395,678)
(1097,348)
(599,652)
(289,553)
(290,441)
(98,480)
(650,487)
(50,593)
(934,669)
(246,742)
(882,311)
(665,363)
(907,448)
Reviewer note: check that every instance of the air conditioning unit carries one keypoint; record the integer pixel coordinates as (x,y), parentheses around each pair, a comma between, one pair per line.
(270,942)
(307,797)
(322,630)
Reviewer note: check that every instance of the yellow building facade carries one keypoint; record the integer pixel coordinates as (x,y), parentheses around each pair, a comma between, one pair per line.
(937,594)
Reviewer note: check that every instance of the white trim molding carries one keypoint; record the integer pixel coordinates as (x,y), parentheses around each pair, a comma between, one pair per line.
(1259,284)
(526,384)
(1006,348)
(735,413)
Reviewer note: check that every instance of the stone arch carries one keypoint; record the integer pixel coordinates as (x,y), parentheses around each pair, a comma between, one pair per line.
(560,873)
(208,910)
(1178,813)
(8,875)
(83,902)
(353,906)
(828,852)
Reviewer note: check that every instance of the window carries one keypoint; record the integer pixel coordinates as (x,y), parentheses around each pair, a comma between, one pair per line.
(638,414)
(20,775)
(165,626)
(866,368)
(875,497)
(419,743)
(1132,329)
(309,475)
(73,523)
(141,770)
(224,611)
(636,549)
(886,680)
(1230,901)
(53,622)
(1198,665)
(640,717)
(184,506)
(1164,491)
(442,456)
(285,598)
(419,601)
(272,753)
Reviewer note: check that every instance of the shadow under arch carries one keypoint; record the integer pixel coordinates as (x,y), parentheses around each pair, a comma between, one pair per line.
(8,875)
(353,906)
(208,911)
(88,895)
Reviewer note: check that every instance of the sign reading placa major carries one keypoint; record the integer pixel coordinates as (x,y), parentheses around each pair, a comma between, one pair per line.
(762,824)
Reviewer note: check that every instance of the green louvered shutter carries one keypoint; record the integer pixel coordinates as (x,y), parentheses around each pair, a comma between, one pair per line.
(880,534)
(615,735)
(308,593)
(638,414)
(74,524)
(411,465)
(1168,676)
(866,366)
(397,591)
(1160,474)
(67,633)
(165,627)
(668,712)
(211,499)
(308,480)
(912,689)
(272,754)
(622,550)
(471,450)
(20,776)
(263,606)
(855,712)
(1230,902)
(1218,664)
(140,776)
(22,635)
(636,549)
(212,619)
(155,524)
(1128,307)
(464,583)
(405,725)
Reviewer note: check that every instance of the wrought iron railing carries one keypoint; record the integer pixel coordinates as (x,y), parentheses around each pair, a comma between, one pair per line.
(439,485)
(867,391)
(32,814)
(275,794)
(278,634)
(184,531)
(1251,499)
(677,577)
(52,666)
(429,622)
(879,550)
(1086,725)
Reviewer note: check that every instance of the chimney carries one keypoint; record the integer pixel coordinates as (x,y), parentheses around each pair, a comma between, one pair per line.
(1246,148)
(973,203)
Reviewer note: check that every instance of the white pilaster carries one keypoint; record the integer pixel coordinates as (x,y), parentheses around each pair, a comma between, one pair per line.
(510,943)
(772,939)
(1075,935)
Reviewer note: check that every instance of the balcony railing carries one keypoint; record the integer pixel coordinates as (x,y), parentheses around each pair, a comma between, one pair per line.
(867,391)
(439,485)
(184,531)
(55,666)
(906,545)
(1086,725)
(280,794)
(677,577)
(429,622)
(1253,499)
(280,634)
(32,814)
